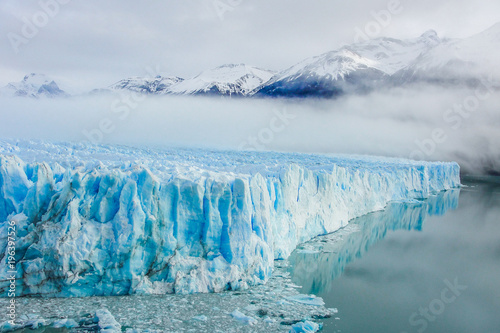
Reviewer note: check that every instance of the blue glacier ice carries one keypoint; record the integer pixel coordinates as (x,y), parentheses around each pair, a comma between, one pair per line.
(106,322)
(242,318)
(112,220)
(305,327)
(65,323)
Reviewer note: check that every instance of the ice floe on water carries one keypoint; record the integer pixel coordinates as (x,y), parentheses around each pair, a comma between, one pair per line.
(306,327)
(306,299)
(252,310)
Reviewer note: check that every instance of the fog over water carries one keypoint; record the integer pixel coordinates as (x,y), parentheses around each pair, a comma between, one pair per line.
(422,123)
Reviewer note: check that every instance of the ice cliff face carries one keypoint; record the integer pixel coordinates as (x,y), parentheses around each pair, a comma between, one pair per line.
(102,220)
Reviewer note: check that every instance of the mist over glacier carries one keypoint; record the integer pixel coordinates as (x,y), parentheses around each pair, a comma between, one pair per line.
(424,122)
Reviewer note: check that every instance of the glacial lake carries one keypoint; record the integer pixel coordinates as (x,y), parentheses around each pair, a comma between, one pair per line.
(423,266)
(430,266)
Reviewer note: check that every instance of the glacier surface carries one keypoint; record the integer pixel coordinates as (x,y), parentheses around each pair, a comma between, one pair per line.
(110,220)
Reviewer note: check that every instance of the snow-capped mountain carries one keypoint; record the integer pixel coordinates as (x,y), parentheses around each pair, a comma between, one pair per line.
(33,85)
(458,61)
(357,68)
(226,80)
(155,85)
(353,68)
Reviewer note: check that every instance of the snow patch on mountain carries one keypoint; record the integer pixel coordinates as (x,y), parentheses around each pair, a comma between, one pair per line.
(391,55)
(156,85)
(459,60)
(226,80)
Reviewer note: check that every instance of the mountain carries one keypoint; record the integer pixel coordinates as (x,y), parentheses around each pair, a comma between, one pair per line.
(226,80)
(458,61)
(156,85)
(33,85)
(388,62)
(351,69)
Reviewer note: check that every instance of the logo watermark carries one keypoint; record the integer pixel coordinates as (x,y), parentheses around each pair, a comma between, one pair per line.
(223,6)
(277,124)
(454,118)
(425,315)
(381,20)
(32,26)
(12,272)
(121,109)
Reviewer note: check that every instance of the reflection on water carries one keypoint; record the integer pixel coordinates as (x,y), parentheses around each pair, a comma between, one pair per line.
(400,278)
(314,265)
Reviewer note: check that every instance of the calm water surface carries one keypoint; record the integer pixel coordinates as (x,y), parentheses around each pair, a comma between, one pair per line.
(431,266)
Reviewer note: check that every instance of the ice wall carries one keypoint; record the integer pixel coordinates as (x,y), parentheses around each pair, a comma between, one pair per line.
(96,220)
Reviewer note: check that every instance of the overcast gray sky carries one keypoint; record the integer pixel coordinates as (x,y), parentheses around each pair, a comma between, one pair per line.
(88,44)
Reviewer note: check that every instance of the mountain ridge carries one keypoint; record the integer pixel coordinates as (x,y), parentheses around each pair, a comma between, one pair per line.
(351,69)
(35,86)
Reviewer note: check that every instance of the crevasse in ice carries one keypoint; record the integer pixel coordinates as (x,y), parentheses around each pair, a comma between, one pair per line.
(109,220)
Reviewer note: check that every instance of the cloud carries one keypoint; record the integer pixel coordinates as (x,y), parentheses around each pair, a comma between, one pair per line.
(400,123)
(102,42)
(97,43)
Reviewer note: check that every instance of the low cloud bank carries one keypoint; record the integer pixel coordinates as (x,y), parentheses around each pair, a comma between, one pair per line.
(421,123)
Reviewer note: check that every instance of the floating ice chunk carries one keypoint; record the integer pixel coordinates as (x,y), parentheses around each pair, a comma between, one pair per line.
(307,299)
(7,326)
(200,318)
(252,307)
(36,323)
(64,323)
(305,327)
(106,322)
(243,318)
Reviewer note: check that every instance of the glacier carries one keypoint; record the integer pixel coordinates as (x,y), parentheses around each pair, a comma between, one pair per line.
(100,220)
